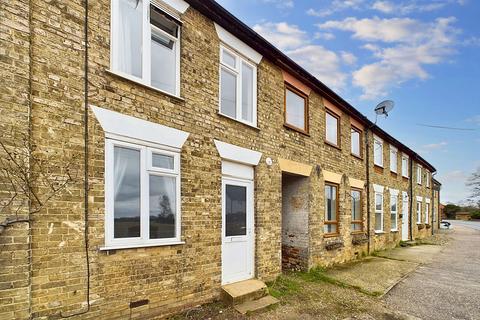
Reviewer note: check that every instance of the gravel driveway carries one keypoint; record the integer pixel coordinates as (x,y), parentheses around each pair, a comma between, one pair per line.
(446,288)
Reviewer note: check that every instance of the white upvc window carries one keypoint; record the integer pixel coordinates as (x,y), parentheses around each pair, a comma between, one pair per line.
(145,45)
(419,174)
(378,212)
(393,159)
(142,195)
(427,211)
(419,212)
(356,141)
(238,87)
(394,212)
(427,179)
(378,151)
(405,167)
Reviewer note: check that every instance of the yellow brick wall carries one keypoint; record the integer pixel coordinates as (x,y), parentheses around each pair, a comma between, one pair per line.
(172,278)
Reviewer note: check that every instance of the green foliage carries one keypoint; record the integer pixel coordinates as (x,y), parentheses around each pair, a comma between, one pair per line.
(451,209)
(283,286)
(475,215)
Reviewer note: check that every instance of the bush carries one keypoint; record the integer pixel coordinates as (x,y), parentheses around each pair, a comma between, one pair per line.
(475,215)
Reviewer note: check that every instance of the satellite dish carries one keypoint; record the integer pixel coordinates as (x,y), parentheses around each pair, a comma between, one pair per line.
(383,108)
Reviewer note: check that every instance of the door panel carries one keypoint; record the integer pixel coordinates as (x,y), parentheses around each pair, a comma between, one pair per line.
(237,226)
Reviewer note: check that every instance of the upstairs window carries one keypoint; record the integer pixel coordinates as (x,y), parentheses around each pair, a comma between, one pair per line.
(405,168)
(393,159)
(296,109)
(419,174)
(146,45)
(332,128)
(378,151)
(238,87)
(427,179)
(356,140)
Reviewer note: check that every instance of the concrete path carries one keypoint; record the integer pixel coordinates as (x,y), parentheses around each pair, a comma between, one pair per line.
(377,275)
(447,287)
(469,224)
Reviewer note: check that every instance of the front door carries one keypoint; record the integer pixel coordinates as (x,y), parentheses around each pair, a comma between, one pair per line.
(237,230)
(405,220)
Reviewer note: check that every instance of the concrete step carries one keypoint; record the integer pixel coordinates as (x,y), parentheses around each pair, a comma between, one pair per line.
(243,291)
(256,305)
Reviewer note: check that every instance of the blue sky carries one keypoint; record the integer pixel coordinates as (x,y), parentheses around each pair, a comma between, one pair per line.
(424,55)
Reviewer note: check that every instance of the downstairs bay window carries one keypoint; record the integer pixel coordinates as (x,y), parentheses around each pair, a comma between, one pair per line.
(142,189)
(145,44)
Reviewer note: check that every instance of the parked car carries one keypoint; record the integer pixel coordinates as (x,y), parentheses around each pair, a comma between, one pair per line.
(445,225)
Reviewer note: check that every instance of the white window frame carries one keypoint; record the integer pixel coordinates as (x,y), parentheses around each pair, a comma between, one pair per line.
(380,212)
(427,177)
(394,198)
(237,71)
(419,174)
(378,162)
(146,46)
(393,156)
(352,130)
(405,166)
(427,211)
(146,169)
(336,117)
(419,211)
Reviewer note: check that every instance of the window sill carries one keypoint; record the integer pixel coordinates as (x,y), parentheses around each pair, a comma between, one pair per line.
(379,232)
(393,173)
(239,121)
(138,246)
(356,232)
(405,178)
(126,77)
(293,128)
(331,235)
(394,231)
(357,156)
(333,145)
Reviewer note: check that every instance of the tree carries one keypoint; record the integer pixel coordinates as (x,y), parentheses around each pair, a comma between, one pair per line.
(473,183)
(450,210)
(30,179)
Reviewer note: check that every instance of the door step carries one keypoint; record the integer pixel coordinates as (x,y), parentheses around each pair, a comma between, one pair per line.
(248,296)
(256,305)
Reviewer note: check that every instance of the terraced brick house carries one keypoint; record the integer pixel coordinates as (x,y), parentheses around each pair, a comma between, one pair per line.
(205,156)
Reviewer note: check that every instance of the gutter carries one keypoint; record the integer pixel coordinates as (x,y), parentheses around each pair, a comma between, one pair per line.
(411,201)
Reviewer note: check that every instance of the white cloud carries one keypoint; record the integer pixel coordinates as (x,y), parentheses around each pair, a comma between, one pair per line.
(472,42)
(433,147)
(416,44)
(321,62)
(348,57)
(402,8)
(453,186)
(282,35)
(281,4)
(474,119)
(336,6)
(324,35)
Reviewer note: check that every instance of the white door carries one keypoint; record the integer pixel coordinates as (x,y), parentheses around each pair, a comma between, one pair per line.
(405,220)
(237,230)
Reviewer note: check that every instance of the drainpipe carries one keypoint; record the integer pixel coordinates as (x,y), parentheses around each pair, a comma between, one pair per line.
(411,200)
(367,162)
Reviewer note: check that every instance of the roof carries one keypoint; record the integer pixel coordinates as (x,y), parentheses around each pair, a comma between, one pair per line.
(232,24)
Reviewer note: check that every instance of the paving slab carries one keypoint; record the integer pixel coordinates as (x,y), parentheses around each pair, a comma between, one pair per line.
(373,274)
(420,254)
